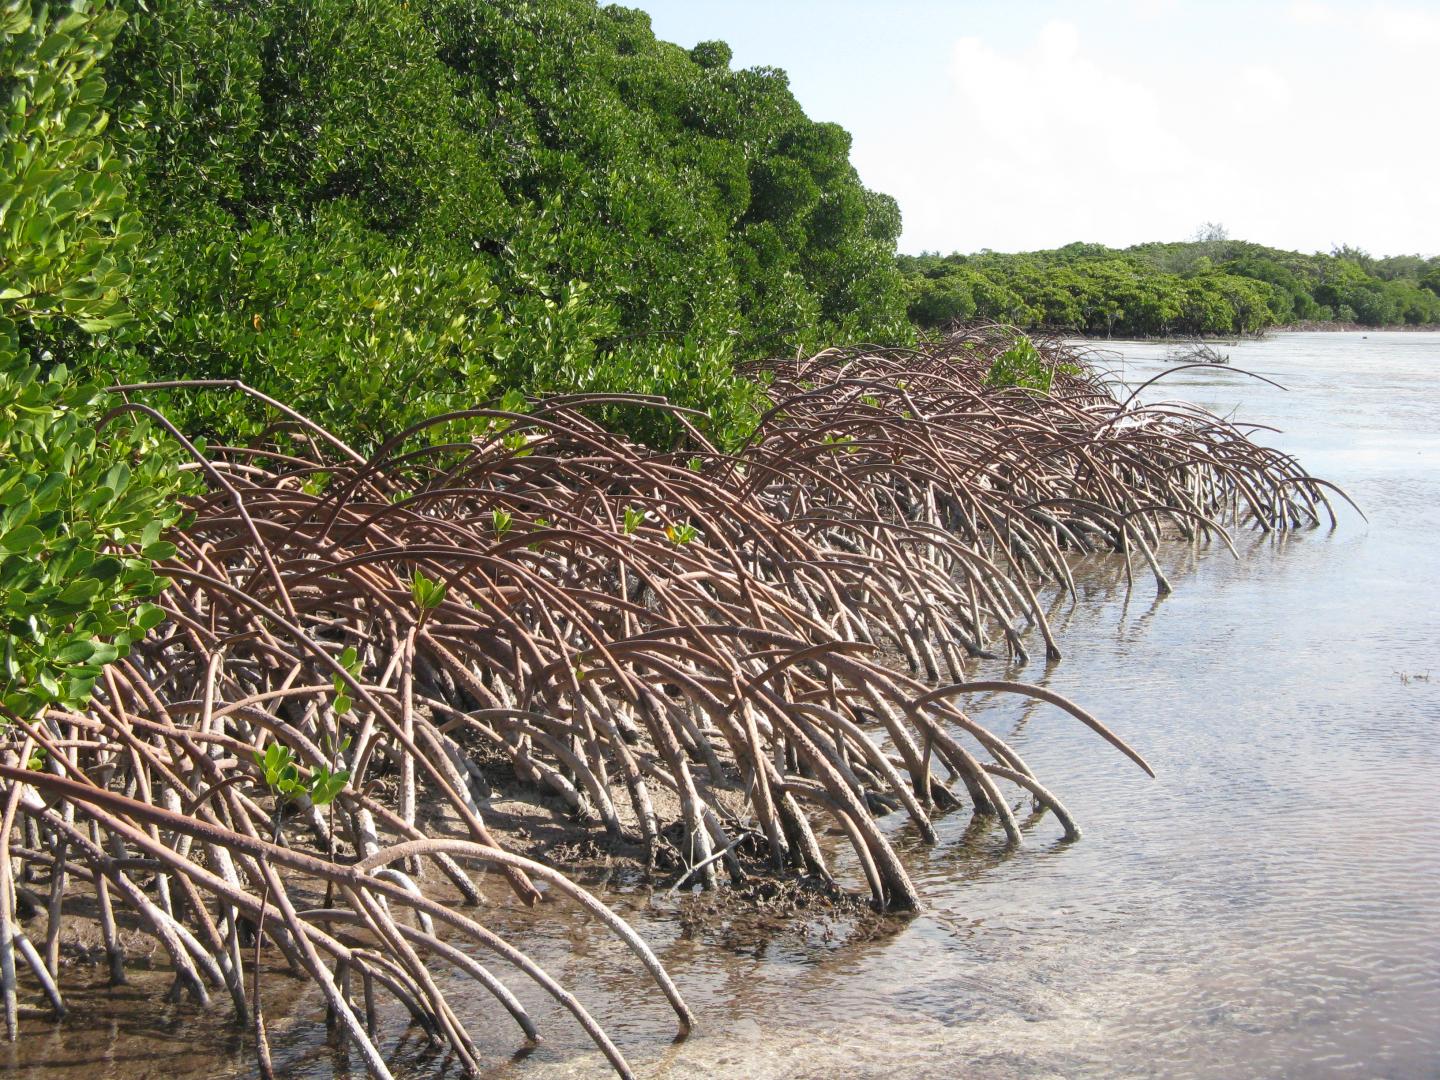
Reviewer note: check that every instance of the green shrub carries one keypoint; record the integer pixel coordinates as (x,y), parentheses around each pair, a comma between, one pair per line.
(72,499)
(1022,365)
(83,500)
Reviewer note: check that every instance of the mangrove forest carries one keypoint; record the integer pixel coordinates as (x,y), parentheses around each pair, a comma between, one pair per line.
(399,398)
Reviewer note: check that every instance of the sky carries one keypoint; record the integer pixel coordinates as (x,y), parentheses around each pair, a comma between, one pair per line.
(1024,124)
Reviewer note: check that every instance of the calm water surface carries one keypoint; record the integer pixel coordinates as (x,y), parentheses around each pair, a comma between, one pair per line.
(1269,906)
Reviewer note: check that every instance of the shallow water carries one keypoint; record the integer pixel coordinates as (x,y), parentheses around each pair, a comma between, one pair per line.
(1268,906)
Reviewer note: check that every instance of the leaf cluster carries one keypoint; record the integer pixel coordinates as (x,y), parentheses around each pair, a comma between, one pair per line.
(66,228)
(428,593)
(280,773)
(85,497)
(1025,367)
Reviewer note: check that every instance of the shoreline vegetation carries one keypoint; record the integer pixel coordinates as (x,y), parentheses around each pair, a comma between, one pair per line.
(418,404)
(1210,286)
(1330,327)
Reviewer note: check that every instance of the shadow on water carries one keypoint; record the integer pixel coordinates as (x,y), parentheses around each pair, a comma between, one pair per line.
(1268,906)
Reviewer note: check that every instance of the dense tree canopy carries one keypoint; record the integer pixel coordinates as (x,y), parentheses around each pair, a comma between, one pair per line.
(1207,286)
(380,209)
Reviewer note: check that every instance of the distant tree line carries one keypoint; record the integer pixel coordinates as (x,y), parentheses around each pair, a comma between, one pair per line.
(1211,285)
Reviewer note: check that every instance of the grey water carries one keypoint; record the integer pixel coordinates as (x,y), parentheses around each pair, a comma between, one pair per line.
(1267,906)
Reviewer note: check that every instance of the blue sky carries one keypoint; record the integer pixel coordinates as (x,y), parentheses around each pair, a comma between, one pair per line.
(1033,123)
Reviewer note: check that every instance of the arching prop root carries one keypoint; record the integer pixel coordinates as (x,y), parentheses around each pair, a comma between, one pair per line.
(683,644)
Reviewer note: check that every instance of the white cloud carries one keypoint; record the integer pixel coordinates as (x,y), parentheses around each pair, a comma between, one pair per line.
(1414,29)
(1064,143)
(1073,136)
(1266,86)
(1150,10)
(1047,100)
(1411,28)
(1312,13)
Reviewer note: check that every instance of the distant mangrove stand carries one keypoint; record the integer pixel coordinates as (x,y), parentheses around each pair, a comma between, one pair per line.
(1210,286)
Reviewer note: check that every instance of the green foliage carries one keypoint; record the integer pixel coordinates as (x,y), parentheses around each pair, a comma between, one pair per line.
(1022,365)
(65,234)
(281,774)
(428,593)
(680,535)
(278,770)
(1209,286)
(84,499)
(938,303)
(350,661)
(378,210)
(72,498)
(325,785)
(337,321)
